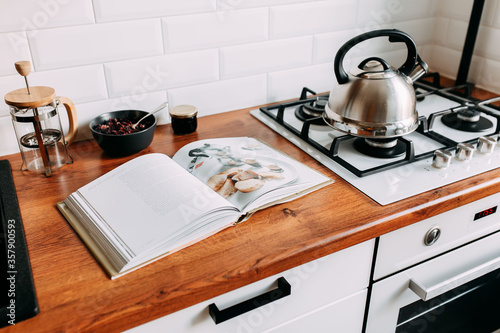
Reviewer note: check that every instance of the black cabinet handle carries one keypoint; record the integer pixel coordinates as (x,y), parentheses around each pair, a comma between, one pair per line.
(219,316)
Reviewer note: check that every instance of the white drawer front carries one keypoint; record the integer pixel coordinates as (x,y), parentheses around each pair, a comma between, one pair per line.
(313,285)
(345,315)
(405,247)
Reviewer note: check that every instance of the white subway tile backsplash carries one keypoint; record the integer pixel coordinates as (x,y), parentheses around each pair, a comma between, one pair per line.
(488,76)
(220,54)
(83,45)
(487,43)
(421,31)
(441,30)
(310,18)
(114,10)
(445,60)
(455,36)
(425,52)
(222,96)
(256,58)
(327,45)
(162,72)
(80,84)
(378,13)
(33,15)
(478,76)
(14,47)
(223,28)
(457,9)
(226,5)
(490,14)
(288,84)
(493,10)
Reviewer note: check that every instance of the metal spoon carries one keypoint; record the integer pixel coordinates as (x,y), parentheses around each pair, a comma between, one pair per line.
(159,108)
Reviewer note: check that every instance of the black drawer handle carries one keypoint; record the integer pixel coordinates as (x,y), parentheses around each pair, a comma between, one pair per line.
(219,316)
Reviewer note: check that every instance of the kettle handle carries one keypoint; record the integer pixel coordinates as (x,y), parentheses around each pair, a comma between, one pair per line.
(394,37)
(72,118)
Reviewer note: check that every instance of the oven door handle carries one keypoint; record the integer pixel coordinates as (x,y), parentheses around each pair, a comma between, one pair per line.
(426,293)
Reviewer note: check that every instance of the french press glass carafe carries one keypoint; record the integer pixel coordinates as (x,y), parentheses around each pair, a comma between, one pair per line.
(37,124)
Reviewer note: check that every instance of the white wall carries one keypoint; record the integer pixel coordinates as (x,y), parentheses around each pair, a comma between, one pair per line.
(219,55)
(452,17)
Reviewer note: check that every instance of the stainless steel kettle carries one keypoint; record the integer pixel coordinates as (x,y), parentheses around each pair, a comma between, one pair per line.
(375,100)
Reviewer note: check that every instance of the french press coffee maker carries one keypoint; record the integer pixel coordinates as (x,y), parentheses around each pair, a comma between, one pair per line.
(37,125)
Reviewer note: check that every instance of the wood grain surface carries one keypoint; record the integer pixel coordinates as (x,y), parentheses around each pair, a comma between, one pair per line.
(75,295)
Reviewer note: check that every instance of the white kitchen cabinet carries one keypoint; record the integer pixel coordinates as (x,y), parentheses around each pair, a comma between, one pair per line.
(344,315)
(404,247)
(327,294)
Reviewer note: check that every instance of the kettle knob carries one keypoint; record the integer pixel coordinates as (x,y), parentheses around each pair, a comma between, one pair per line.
(374,62)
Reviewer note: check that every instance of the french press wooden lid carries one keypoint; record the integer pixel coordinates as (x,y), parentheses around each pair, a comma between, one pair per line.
(29,97)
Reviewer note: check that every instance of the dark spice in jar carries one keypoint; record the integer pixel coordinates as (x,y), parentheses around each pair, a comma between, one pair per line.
(184,120)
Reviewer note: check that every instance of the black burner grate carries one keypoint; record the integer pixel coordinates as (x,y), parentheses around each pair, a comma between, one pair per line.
(460,94)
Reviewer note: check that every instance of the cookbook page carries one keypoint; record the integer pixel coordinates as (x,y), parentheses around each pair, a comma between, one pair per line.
(244,169)
(148,200)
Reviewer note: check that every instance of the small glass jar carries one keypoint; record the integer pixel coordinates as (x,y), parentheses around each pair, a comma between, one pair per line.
(184,119)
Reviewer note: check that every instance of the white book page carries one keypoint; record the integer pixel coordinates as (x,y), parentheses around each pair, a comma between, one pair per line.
(146,200)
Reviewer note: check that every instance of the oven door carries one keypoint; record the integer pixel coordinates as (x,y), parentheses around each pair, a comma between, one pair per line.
(458,291)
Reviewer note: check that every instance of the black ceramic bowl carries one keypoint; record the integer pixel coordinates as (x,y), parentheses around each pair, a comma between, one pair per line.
(124,144)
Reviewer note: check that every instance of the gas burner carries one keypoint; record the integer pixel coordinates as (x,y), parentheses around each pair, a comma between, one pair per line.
(363,157)
(467,120)
(313,109)
(382,148)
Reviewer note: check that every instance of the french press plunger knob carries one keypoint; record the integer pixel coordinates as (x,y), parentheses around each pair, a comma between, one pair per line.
(38,127)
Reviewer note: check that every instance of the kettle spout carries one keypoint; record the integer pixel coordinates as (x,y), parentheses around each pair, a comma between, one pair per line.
(420,69)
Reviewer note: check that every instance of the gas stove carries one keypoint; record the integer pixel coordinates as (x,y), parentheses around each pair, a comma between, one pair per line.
(456,139)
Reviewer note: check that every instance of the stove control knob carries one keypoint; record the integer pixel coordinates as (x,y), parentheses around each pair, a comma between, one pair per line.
(486,144)
(441,159)
(464,152)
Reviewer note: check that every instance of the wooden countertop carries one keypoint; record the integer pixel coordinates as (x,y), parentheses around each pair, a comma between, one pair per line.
(75,294)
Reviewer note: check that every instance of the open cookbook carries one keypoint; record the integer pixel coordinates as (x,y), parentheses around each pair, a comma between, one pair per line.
(154,205)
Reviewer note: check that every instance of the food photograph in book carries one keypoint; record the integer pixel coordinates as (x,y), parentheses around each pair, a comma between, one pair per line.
(240,171)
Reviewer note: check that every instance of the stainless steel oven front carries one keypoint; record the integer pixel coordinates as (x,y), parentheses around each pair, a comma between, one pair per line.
(439,275)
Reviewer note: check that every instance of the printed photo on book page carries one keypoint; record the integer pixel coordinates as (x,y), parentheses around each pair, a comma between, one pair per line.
(241,169)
